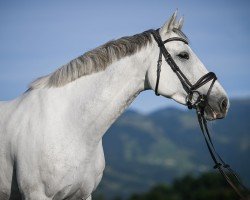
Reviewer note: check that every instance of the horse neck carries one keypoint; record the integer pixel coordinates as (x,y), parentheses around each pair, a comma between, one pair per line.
(97,100)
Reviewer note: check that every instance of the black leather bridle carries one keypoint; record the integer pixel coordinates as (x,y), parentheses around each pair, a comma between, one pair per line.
(196,100)
(190,88)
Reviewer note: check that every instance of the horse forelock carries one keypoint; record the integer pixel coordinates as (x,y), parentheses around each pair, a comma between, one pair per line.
(180,34)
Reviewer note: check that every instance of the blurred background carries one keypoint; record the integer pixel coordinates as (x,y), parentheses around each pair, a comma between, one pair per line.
(155,147)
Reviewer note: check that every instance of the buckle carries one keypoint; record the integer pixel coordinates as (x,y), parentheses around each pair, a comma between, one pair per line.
(217,165)
(195,99)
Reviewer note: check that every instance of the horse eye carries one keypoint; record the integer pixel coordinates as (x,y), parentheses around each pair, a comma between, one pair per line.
(183,55)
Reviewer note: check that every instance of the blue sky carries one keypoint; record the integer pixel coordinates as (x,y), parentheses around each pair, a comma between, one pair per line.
(37,37)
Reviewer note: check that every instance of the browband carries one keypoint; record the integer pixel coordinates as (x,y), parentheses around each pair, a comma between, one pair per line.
(175,39)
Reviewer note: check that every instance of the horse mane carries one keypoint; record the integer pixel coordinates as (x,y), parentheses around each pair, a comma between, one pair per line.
(96,60)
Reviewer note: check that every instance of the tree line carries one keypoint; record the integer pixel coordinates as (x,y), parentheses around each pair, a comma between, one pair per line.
(208,186)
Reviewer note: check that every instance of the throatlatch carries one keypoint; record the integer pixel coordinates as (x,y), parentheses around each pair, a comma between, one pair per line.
(196,100)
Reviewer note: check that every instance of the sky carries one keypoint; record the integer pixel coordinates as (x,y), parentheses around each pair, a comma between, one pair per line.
(37,37)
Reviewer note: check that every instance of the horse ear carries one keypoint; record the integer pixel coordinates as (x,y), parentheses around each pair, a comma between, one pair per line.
(169,25)
(180,23)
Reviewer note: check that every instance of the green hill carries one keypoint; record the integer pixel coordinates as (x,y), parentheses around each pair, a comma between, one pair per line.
(144,150)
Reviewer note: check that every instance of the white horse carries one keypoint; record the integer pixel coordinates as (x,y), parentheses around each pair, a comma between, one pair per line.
(51,136)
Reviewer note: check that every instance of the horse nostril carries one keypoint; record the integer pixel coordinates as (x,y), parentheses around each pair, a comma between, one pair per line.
(223,105)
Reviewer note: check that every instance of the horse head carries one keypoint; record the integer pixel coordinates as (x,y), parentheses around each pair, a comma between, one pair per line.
(183,74)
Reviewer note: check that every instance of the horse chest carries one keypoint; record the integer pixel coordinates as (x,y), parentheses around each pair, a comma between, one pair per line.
(81,180)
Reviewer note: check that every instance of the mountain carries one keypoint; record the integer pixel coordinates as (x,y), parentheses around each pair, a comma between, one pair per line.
(144,150)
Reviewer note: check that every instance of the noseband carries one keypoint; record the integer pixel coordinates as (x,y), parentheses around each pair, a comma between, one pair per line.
(196,100)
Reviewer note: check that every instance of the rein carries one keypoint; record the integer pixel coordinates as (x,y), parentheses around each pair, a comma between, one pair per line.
(196,100)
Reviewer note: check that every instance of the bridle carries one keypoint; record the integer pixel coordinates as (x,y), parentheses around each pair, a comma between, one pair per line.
(196,100)
(191,89)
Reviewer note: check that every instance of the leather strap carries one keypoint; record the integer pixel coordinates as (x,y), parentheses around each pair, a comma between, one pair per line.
(175,39)
(159,63)
(241,191)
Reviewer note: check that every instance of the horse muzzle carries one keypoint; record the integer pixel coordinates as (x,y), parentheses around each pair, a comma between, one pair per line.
(216,109)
